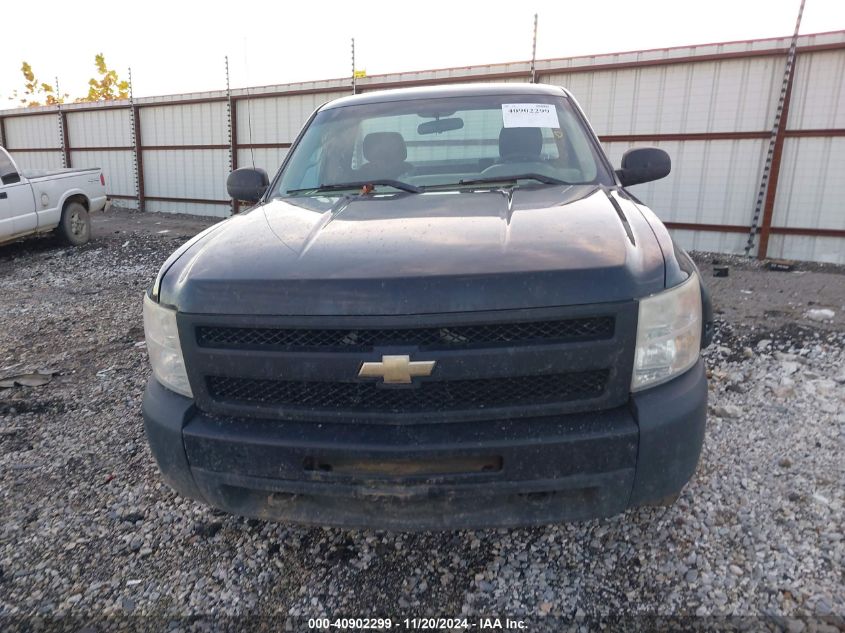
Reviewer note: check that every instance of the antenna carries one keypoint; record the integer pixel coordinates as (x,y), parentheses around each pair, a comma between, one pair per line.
(248,108)
(354,82)
(534,53)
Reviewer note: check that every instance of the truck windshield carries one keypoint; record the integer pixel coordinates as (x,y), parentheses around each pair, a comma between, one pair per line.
(430,144)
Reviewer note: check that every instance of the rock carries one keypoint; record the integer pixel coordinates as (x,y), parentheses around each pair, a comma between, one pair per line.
(727,411)
(820,314)
(822,607)
(763,344)
(795,626)
(825,387)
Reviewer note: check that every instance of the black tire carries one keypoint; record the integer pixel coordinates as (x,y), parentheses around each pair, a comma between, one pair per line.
(75,225)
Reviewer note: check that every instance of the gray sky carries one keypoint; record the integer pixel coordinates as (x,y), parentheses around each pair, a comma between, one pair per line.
(178,46)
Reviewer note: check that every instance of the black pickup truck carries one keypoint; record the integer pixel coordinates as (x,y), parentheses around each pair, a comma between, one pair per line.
(444,311)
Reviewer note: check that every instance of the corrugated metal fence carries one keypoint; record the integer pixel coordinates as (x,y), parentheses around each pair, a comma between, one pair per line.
(710,106)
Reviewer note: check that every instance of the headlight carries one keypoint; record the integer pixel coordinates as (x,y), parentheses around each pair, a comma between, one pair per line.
(163,347)
(668,334)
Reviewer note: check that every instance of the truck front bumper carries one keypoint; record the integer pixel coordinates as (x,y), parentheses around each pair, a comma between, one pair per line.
(494,473)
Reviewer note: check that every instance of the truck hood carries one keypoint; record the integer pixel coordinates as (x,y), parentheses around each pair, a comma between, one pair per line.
(420,253)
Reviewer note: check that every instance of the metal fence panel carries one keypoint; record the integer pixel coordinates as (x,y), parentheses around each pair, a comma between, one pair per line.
(808,248)
(190,208)
(710,241)
(106,128)
(32,132)
(116,166)
(711,182)
(718,96)
(267,158)
(197,174)
(818,93)
(193,124)
(38,160)
(278,119)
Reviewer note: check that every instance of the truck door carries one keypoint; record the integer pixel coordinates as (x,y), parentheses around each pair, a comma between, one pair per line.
(17,206)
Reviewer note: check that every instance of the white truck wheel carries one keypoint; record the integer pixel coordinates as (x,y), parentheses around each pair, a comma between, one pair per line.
(75,225)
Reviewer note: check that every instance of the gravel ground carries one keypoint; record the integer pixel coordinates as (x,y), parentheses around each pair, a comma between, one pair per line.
(88,530)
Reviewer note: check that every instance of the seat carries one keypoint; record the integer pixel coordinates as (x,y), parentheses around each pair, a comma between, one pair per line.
(385,153)
(520,144)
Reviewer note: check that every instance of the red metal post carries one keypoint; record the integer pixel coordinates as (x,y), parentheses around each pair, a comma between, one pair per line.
(234,140)
(65,138)
(777,154)
(139,156)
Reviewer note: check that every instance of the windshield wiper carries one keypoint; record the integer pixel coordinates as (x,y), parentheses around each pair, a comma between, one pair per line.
(546,180)
(396,184)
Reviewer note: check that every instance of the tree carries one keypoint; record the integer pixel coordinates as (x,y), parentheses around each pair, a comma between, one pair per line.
(34,90)
(108,86)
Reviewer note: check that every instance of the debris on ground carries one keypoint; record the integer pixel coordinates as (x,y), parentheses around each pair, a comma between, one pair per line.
(780,265)
(820,314)
(33,379)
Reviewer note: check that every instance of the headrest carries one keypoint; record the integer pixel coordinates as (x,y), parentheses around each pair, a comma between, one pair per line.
(385,147)
(524,142)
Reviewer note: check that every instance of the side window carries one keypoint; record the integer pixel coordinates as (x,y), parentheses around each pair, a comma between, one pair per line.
(8,173)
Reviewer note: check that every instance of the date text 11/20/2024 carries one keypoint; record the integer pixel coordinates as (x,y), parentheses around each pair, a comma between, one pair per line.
(417,624)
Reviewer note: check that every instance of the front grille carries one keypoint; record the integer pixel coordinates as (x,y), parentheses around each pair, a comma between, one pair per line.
(457,336)
(427,396)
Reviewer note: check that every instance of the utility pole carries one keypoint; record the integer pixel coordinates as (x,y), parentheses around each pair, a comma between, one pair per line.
(534,53)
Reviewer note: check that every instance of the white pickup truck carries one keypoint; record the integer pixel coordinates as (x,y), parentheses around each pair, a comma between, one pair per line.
(38,201)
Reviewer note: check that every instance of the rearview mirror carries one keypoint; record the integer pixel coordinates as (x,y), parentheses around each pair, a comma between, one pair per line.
(440,125)
(643,164)
(247,184)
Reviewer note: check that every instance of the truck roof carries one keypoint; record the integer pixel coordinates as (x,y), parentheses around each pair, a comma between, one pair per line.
(450,90)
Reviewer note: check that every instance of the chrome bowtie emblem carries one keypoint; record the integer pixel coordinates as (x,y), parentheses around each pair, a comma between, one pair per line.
(397,370)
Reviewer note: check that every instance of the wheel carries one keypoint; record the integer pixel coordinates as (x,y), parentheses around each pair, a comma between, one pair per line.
(75,225)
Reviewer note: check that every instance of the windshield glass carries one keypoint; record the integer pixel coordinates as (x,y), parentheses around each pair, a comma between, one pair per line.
(438,143)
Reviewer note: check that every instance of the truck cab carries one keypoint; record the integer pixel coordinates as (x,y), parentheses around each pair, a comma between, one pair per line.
(445,310)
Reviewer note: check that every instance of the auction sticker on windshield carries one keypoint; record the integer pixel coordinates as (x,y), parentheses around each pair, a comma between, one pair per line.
(529,115)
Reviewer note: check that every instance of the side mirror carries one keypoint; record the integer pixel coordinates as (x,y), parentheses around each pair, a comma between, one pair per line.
(247,184)
(643,164)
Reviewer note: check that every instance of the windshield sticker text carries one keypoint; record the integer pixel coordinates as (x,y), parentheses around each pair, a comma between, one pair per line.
(529,115)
